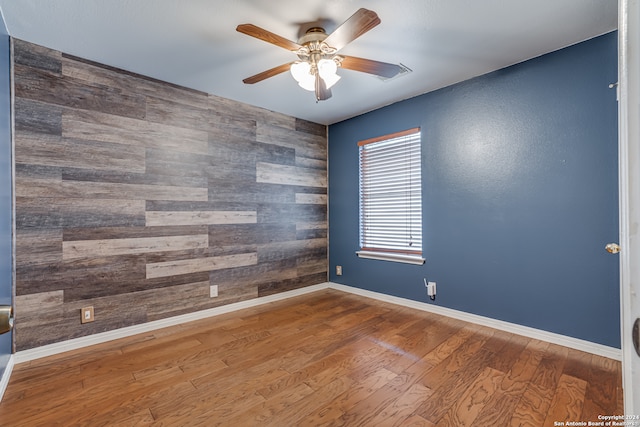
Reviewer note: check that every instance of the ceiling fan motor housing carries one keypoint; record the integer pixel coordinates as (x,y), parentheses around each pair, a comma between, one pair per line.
(314,49)
(313,34)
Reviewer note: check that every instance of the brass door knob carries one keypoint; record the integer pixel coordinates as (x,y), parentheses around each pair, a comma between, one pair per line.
(6,318)
(612,248)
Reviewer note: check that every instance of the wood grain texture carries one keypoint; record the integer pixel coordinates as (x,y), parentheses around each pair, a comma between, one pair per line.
(293,175)
(305,145)
(44,213)
(53,150)
(99,126)
(134,196)
(325,358)
(107,190)
(227,108)
(39,246)
(315,199)
(154,218)
(110,247)
(71,234)
(42,85)
(568,400)
(178,114)
(37,117)
(186,266)
(37,57)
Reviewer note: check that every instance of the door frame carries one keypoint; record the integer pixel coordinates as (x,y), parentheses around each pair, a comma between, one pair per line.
(629,209)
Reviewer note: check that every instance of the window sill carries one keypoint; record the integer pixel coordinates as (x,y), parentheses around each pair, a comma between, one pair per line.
(390,256)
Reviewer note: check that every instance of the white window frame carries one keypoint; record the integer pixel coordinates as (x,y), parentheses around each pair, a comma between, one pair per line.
(390,197)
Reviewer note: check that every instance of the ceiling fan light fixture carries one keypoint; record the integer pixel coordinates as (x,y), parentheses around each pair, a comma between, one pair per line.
(304,73)
(318,55)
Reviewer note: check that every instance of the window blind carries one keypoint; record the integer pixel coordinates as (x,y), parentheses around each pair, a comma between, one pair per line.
(391,193)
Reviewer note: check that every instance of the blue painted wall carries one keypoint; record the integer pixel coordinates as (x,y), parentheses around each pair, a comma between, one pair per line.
(520,194)
(5,189)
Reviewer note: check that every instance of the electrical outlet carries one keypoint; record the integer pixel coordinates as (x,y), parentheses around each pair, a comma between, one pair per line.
(338,270)
(86,314)
(213,291)
(431,289)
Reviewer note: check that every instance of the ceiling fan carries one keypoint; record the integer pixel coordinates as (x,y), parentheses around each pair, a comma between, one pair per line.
(318,61)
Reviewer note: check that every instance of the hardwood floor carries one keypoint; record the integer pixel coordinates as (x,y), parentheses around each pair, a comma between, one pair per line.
(326,358)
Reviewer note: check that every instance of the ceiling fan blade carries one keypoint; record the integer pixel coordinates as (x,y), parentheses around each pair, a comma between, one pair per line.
(358,24)
(267,36)
(268,73)
(383,69)
(322,93)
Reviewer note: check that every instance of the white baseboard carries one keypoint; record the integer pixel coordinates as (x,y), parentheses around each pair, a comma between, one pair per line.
(76,343)
(575,343)
(6,375)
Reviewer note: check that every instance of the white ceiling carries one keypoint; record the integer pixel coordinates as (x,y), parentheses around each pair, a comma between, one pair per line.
(193,43)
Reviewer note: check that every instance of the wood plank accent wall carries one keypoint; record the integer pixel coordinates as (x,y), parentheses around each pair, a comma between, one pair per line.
(135,195)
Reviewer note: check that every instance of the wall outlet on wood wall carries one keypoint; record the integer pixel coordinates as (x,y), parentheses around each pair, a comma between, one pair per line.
(86,314)
(213,291)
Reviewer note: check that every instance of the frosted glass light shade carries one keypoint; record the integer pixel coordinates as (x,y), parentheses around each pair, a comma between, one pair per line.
(327,69)
(301,71)
(331,80)
(308,83)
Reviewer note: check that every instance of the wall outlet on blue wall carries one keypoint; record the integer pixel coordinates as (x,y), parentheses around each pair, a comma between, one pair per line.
(431,289)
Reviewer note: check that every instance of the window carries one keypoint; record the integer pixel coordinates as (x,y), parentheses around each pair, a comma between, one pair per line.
(391,198)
